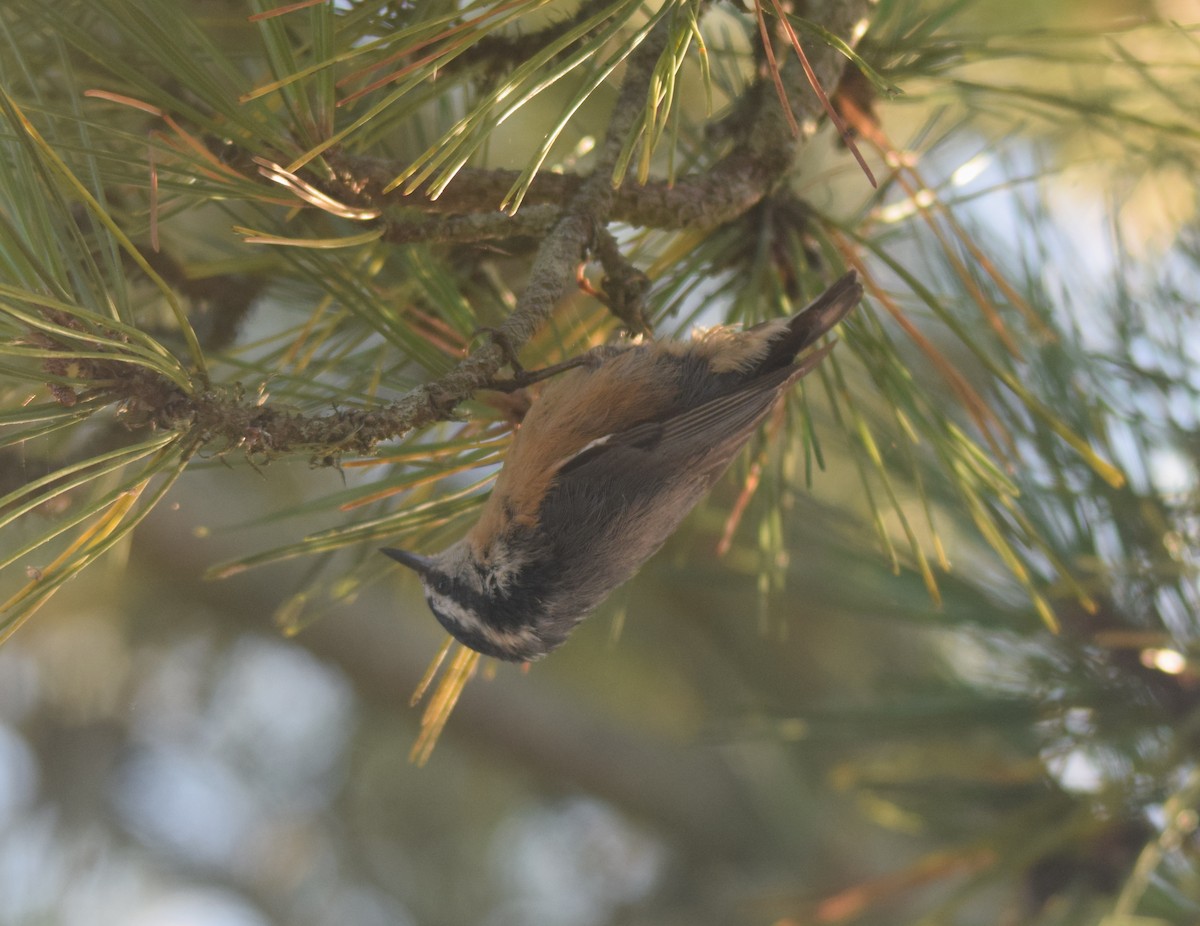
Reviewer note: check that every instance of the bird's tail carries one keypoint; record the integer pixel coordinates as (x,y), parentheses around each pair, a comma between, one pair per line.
(807,326)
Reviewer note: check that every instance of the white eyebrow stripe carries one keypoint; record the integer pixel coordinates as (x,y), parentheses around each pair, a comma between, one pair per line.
(453,610)
(521,639)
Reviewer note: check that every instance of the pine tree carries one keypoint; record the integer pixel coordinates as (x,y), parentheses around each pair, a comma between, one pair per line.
(940,621)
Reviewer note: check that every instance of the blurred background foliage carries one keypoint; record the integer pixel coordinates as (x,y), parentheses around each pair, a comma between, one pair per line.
(928,655)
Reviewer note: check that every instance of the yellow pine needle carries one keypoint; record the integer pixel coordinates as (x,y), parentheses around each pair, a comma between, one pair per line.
(410,484)
(423,453)
(101,528)
(990,426)
(939,549)
(98,212)
(461,668)
(427,678)
(868,442)
(835,388)
(252,236)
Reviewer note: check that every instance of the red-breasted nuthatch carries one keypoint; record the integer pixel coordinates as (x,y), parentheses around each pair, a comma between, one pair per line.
(608,461)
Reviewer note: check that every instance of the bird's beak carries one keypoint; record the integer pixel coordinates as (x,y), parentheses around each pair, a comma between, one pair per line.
(421,565)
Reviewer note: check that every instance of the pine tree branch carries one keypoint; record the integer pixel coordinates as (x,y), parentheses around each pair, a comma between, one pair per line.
(767,149)
(474,226)
(568,212)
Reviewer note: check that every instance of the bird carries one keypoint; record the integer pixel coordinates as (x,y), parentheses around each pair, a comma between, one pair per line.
(608,461)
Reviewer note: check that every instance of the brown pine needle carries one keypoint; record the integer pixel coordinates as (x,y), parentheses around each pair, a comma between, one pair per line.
(874,893)
(978,296)
(154,242)
(390,78)
(820,92)
(739,507)
(773,67)
(475,25)
(190,141)
(749,487)
(869,129)
(985,263)
(283,10)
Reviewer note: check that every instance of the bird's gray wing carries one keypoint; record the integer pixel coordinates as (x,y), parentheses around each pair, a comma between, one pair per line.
(702,436)
(614,503)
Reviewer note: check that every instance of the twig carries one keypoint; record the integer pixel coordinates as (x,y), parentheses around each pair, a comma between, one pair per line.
(625,286)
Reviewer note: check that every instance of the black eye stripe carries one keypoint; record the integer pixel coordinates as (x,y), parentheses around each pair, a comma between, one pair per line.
(495,606)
